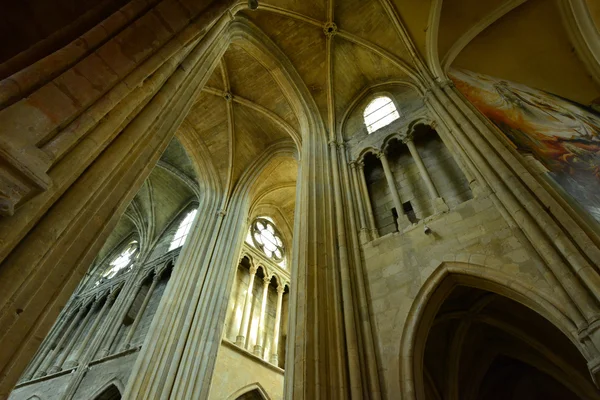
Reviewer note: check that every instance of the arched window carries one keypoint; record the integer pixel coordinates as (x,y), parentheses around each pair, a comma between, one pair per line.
(267,238)
(379,113)
(184,228)
(123,260)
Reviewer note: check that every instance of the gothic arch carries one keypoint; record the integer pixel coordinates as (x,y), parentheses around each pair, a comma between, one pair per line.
(112,390)
(440,284)
(253,387)
(367,150)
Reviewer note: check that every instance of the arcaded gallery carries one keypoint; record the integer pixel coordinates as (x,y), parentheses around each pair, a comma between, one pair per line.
(300,199)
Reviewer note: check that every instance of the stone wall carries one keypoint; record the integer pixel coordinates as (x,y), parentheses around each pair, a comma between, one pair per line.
(473,234)
(236,371)
(445,173)
(235,311)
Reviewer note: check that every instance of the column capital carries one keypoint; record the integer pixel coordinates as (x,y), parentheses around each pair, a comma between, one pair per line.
(159,270)
(267,280)
(427,95)
(380,154)
(360,164)
(444,83)
(409,137)
(334,143)
(253,269)
(112,295)
(280,289)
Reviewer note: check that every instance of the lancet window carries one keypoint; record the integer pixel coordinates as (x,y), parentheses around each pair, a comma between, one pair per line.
(184,229)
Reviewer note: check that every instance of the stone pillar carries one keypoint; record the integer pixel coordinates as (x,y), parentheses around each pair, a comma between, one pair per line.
(59,342)
(360,204)
(127,343)
(92,331)
(58,365)
(50,366)
(241,338)
(260,337)
(275,350)
(113,330)
(439,204)
(403,221)
(360,171)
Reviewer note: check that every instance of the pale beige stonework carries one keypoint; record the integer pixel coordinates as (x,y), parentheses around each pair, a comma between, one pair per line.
(266,108)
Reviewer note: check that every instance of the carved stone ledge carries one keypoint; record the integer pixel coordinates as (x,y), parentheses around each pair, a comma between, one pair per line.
(22,175)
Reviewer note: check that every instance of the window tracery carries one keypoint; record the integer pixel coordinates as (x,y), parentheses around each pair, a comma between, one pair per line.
(121,261)
(266,237)
(379,113)
(183,230)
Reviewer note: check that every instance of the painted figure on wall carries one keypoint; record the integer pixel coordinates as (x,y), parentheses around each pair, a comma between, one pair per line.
(563,136)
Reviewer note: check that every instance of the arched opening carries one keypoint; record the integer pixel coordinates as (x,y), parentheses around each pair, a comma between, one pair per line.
(473,342)
(252,395)
(110,393)
(380,112)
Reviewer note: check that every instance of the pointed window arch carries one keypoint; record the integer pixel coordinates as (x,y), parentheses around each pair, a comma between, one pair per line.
(183,230)
(380,112)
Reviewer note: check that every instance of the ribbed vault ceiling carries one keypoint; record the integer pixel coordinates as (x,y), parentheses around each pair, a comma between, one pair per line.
(242,111)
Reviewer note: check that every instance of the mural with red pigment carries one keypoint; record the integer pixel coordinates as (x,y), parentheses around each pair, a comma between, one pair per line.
(563,136)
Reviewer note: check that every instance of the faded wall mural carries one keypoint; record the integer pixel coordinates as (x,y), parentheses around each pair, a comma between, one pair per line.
(563,136)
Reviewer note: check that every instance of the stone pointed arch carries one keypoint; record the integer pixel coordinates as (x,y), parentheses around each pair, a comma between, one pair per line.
(111,390)
(253,387)
(439,285)
(185,332)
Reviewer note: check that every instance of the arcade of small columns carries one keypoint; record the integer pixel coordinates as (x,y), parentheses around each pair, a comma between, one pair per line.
(368,227)
(271,271)
(102,310)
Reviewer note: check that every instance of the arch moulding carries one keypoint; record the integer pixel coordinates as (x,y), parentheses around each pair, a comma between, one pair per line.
(435,290)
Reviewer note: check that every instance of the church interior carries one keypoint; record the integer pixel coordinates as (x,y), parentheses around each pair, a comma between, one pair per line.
(286,199)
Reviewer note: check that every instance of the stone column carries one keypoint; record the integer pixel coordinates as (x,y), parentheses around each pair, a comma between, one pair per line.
(111,335)
(360,204)
(275,350)
(360,171)
(260,337)
(140,314)
(72,341)
(92,331)
(59,342)
(439,204)
(240,339)
(389,176)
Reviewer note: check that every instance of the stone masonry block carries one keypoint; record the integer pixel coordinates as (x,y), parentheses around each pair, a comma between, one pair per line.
(26,120)
(112,54)
(54,103)
(97,72)
(173,14)
(77,87)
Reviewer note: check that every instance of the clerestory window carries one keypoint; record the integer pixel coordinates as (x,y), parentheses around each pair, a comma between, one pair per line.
(120,262)
(379,113)
(182,231)
(266,238)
